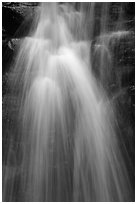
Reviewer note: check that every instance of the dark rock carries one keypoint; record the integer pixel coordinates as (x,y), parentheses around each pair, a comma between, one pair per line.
(16,21)
(7,56)
(17,18)
(9,48)
(11,20)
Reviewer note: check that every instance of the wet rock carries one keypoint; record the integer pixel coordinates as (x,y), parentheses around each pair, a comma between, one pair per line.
(9,48)
(15,15)
(16,22)
(11,20)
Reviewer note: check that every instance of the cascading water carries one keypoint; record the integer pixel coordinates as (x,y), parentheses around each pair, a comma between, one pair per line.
(70,148)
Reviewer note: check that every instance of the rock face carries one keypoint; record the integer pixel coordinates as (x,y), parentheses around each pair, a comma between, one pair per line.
(11,20)
(16,21)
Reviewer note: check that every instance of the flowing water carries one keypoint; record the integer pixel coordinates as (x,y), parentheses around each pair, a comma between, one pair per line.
(67,129)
